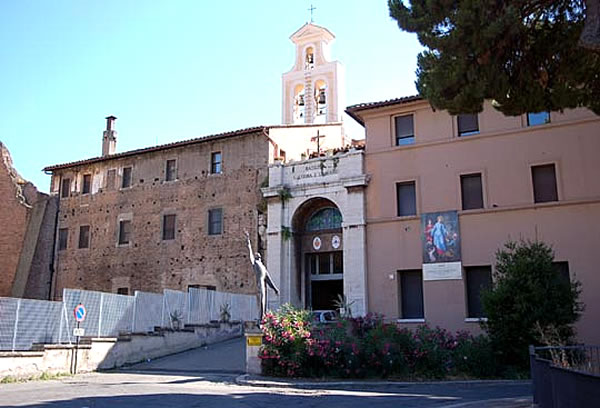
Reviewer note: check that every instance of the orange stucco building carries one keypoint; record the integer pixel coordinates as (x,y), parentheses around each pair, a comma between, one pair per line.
(534,176)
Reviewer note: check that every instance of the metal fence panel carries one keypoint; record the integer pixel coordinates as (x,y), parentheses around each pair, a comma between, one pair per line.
(93,305)
(117,314)
(175,309)
(147,311)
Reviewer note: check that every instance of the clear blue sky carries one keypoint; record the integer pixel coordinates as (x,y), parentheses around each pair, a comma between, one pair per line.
(172,69)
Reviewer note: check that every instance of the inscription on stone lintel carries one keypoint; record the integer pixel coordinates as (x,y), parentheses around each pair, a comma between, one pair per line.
(314,170)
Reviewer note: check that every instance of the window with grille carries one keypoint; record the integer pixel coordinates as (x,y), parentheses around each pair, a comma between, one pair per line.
(63,237)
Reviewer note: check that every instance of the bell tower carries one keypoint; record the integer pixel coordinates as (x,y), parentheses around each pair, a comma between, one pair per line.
(313,88)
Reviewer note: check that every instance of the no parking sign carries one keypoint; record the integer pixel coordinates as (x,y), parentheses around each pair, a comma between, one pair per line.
(79,312)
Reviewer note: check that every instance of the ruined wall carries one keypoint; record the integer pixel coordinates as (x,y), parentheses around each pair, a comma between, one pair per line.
(149,263)
(14,212)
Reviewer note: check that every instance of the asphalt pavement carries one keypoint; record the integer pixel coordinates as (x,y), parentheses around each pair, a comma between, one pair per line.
(208,377)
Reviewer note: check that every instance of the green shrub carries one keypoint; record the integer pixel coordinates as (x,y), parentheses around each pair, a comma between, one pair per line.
(368,347)
(527,289)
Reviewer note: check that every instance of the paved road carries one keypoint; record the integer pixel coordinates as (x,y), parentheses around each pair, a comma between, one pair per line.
(206,378)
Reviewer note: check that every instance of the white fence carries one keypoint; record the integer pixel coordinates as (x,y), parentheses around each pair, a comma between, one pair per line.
(24,322)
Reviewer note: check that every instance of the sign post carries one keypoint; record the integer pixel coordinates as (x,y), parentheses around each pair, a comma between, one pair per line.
(79,313)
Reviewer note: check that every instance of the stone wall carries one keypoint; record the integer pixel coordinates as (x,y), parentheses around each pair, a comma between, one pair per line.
(148,262)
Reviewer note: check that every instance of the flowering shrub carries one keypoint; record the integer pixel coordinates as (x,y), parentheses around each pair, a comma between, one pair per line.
(368,347)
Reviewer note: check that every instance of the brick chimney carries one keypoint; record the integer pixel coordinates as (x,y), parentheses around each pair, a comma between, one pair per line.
(109,137)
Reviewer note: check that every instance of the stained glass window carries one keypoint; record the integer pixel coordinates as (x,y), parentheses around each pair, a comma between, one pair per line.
(324,219)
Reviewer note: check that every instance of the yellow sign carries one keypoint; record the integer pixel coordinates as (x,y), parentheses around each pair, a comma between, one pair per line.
(254,340)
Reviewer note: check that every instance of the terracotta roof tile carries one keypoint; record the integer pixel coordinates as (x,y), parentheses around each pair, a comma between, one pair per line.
(157,148)
(353,109)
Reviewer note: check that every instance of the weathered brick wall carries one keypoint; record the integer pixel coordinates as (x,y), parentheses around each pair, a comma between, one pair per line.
(149,263)
(13,219)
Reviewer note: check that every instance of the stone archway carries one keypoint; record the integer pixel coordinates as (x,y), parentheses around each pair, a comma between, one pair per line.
(318,238)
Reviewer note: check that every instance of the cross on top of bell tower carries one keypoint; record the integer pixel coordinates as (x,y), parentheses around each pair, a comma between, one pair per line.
(311,9)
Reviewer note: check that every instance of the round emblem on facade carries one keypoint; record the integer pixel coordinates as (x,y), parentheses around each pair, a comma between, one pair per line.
(335,241)
(317,243)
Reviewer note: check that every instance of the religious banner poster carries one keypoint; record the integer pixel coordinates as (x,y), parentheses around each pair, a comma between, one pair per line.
(441,246)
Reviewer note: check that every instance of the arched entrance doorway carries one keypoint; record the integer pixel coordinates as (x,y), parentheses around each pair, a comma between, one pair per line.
(320,257)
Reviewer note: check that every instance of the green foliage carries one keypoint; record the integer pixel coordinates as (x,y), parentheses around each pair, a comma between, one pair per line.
(524,55)
(368,347)
(528,291)
(286,233)
(284,194)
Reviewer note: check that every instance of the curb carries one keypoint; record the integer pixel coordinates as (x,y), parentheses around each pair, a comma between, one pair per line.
(259,381)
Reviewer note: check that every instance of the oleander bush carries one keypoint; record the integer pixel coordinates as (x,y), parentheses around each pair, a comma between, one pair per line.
(367,347)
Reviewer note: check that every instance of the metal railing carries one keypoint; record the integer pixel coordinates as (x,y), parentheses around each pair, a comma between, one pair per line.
(565,376)
(25,322)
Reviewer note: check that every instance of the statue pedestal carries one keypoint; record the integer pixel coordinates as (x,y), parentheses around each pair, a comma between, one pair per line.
(253,336)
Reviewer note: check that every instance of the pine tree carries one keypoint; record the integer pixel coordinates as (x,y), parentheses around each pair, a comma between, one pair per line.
(524,55)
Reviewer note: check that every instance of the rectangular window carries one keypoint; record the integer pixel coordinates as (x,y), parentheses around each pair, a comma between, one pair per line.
(478,279)
(84,236)
(538,118)
(411,294)
(126,180)
(215,163)
(405,134)
(168,232)
(86,188)
(544,183)
(123,291)
(111,176)
(406,199)
(468,124)
(324,264)
(124,232)
(311,263)
(65,189)
(215,221)
(338,262)
(63,237)
(471,191)
(171,170)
